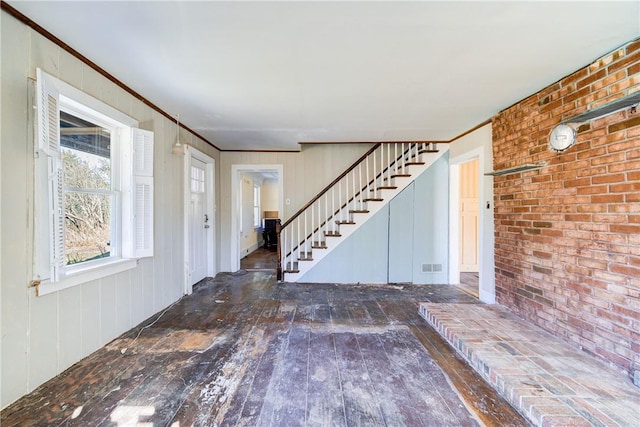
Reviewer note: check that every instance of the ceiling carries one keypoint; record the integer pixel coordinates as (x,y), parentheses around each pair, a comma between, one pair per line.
(268,75)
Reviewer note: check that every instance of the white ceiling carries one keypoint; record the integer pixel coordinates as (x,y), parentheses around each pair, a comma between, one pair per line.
(267,75)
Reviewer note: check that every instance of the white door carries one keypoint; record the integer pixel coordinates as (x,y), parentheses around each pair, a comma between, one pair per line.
(199,220)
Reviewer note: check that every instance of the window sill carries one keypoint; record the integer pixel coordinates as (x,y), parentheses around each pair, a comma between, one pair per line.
(80,276)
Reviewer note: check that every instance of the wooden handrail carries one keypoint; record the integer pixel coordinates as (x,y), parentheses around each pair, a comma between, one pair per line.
(328,187)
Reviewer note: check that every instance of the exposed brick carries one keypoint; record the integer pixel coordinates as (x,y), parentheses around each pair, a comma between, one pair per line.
(603,179)
(624,228)
(609,80)
(577,182)
(633,166)
(626,270)
(632,47)
(608,198)
(594,189)
(629,59)
(585,205)
(625,188)
(591,78)
(625,125)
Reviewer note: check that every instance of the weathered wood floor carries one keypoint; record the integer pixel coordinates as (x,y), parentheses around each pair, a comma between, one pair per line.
(244,350)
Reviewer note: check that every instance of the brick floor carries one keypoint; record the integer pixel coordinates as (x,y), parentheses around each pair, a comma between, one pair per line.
(545,379)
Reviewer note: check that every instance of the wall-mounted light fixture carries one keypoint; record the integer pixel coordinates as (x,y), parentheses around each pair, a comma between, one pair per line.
(178,148)
(564,134)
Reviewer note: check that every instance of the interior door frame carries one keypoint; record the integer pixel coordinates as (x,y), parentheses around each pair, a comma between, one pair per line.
(236,170)
(191,152)
(486,262)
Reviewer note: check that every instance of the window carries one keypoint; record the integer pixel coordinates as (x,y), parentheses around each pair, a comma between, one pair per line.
(93,188)
(197,179)
(256,206)
(89,196)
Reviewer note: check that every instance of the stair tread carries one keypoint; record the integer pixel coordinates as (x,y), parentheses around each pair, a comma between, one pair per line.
(406,175)
(358,211)
(343,222)
(428,151)
(414,163)
(292,268)
(374,199)
(332,234)
(386,187)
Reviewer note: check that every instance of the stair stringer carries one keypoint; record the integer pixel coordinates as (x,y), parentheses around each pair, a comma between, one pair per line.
(373,207)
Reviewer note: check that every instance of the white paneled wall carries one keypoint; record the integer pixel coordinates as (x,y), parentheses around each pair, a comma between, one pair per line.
(42,336)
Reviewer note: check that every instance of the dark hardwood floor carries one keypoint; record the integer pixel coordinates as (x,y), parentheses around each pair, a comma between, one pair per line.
(243,350)
(260,259)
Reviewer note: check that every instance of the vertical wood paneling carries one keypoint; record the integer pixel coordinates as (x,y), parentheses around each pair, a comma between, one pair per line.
(70,327)
(360,259)
(137,295)
(172,283)
(71,69)
(123,298)
(124,101)
(401,235)
(92,83)
(431,204)
(43,340)
(44,54)
(109,93)
(14,321)
(67,326)
(108,309)
(160,213)
(91,317)
(148,288)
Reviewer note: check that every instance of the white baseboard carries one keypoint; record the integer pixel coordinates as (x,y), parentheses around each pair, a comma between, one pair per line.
(250,249)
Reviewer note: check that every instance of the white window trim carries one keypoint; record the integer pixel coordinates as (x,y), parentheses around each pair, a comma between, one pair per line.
(135,168)
(87,274)
(257,224)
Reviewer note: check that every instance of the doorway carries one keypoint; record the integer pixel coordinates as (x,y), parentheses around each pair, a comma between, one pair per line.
(471,223)
(238,172)
(468,211)
(199,215)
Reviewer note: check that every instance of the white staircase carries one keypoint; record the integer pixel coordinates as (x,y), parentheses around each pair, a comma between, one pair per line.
(352,199)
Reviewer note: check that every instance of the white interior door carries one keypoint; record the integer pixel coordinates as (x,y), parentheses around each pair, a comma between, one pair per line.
(200,221)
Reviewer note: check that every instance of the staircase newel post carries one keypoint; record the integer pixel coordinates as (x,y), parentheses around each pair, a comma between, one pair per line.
(279,276)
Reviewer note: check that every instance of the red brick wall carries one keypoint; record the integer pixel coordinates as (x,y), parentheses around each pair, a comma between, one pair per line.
(568,235)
